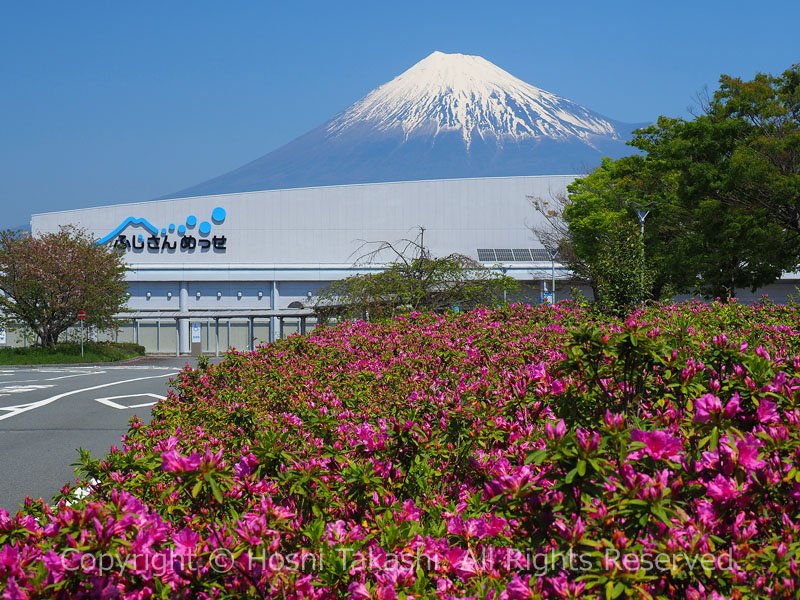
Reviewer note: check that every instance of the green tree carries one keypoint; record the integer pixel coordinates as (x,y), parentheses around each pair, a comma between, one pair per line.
(623,277)
(603,205)
(721,243)
(413,280)
(764,164)
(723,191)
(46,279)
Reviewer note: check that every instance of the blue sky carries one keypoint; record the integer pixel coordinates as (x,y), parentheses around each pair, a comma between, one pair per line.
(112,102)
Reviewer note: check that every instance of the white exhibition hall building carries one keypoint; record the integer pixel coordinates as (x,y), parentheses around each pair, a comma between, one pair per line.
(237,270)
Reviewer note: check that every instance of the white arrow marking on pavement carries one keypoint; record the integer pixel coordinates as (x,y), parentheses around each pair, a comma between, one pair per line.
(47,401)
(110,400)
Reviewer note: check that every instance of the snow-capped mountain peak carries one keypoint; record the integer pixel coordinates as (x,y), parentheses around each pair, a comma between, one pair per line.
(448,116)
(470,95)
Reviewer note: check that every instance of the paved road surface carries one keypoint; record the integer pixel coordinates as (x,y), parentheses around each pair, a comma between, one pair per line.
(46,413)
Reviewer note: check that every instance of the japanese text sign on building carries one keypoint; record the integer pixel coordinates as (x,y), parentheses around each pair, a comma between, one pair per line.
(188,237)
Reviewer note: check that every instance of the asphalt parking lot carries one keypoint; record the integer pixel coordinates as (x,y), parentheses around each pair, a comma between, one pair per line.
(47,413)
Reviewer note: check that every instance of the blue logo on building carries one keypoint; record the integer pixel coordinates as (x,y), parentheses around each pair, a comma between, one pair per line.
(161,241)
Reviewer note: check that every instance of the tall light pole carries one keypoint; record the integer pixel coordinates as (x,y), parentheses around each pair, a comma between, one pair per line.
(553,252)
(642,214)
(503,270)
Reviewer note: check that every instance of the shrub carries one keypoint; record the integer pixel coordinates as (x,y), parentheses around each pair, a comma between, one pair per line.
(516,453)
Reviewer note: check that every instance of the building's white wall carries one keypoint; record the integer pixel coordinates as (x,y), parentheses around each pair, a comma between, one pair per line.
(297,291)
(327,225)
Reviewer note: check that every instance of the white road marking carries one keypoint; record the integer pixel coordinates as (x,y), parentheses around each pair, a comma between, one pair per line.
(16,406)
(75,375)
(7,390)
(45,402)
(141,368)
(109,401)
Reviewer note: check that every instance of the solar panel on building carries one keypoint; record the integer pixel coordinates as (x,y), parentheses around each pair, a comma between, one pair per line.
(504,254)
(522,255)
(486,255)
(540,254)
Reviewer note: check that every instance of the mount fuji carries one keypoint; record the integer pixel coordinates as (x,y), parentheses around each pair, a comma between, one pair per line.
(448,116)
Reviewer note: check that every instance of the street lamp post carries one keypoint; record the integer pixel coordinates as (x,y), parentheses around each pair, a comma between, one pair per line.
(553,252)
(642,214)
(503,270)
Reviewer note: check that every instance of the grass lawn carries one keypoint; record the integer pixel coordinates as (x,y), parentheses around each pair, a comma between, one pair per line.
(70,353)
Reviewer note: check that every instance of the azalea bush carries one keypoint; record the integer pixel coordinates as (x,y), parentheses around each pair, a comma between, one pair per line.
(514,453)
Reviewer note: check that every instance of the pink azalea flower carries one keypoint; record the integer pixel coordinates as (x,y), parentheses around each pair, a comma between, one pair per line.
(587,442)
(513,483)
(517,589)
(13,592)
(659,444)
(706,408)
(186,542)
(358,591)
(748,450)
(496,527)
(572,533)
(795,493)
(55,567)
(455,525)
(567,589)
(386,592)
(245,465)
(732,407)
(475,529)
(336,531)
(614,422)
(557,432)
(722,489)
(462,563)
(9,557)
(172,461)
(412,512)
(768,411)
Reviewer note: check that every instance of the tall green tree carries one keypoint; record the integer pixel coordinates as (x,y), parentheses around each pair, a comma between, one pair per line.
(46,279)
(623,276)
(604,204)
(721,242)
(764,165)
(723,191)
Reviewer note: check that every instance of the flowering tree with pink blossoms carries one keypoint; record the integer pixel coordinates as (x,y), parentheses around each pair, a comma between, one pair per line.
(47,278)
